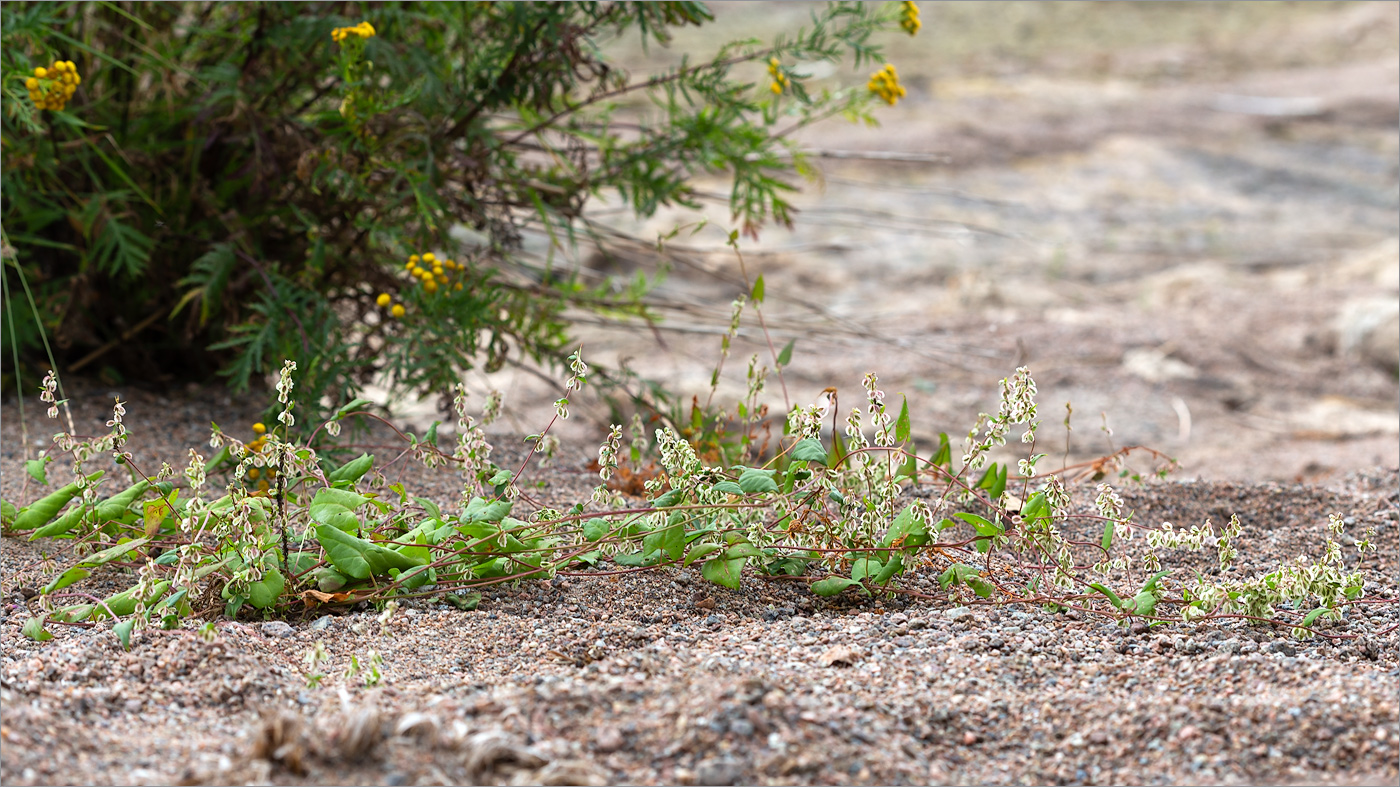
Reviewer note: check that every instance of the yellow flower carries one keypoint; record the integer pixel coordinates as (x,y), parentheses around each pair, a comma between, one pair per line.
(41,72)
(383,299)
(413,259)
(253,473)
(437,270)
(457,286)
(885,84)
(259,428)
(32,84)
(429,257)
(909,17)
(430,285)
(449,264)
(398,310)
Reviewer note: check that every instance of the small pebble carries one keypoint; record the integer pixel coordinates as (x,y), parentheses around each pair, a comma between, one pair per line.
(277,628)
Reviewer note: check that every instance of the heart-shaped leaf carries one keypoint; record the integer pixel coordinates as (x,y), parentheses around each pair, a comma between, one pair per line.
(336,507)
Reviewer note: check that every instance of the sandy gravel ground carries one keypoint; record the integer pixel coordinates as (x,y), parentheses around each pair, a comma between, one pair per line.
(661,678)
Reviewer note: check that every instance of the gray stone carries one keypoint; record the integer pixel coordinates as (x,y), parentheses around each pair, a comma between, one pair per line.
(277,628)
(718,772)
(1286,648)
(322,623)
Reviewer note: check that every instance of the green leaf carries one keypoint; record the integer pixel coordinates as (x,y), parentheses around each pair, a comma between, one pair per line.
(124,603)
(791,566)
(34,629)
(357,558)
(724,572)
(1112,597)
(742,549)
(809,450)
(115,507)
(351,471)
(590,559)
(36,469)
(432,508)
(701,550)
(265,592)
(336,507)
(943,457)
(902,427)
(833,585)
(980,586)
(757,294)
(480,510)
(993,480)
(670,540)
(956,574)
(1312,617)
(730,487)
(465,602)
(908,527)
(636,559)
(43,510)
(63,524)
(8,512)
(670,498)
(328,580)
(1107,540)
(154,512)
(757,481)
(123,631)
(74,574)
(112,553)
(413,578)
(984,528)
(892,567)
(785,357)
(864,567)
(358,404)
(595,528)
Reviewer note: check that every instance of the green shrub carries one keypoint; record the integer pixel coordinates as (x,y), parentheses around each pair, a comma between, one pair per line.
(235,184)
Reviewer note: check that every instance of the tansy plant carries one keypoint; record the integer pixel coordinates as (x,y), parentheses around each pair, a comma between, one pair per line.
(855,510)
(228,186)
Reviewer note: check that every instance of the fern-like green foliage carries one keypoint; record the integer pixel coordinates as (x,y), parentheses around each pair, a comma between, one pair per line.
(233,185)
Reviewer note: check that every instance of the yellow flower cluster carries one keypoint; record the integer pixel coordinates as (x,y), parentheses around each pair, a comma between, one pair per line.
(384,299)
(264,476)
(362,30)
(435,274)
(909,17)
(780,80)
(885,84)
(50,88)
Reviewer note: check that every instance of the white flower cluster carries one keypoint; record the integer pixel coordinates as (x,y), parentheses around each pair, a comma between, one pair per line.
(473,450)
(607,452)
(47,388)
(879,417)
(1017,407)
(285,384)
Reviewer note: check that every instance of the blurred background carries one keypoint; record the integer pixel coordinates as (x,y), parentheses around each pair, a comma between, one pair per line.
(1181,216)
